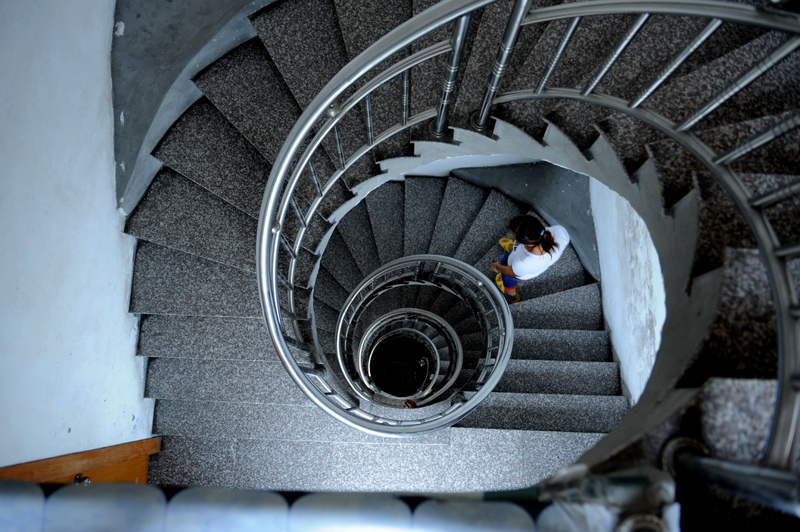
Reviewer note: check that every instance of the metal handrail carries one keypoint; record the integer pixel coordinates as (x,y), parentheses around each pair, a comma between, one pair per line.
(283,181)
(784,439)
(784,444)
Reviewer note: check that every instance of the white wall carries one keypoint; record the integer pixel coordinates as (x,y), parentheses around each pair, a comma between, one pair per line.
(634,302)
(69,378)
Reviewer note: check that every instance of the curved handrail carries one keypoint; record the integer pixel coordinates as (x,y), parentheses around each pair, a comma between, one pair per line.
(784,443)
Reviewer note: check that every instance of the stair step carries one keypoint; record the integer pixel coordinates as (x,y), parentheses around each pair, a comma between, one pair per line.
(563,413)
(356,231)
(328,290)
(560,377)
(206,338)
(257,421)
(203,146)
(177,213)
(736,417)
(549,344)
(244,381)
(166,281)
(423,196)
(385,206)
(578,308)
(460,462)
(489,226)
(459,208)
(324,52)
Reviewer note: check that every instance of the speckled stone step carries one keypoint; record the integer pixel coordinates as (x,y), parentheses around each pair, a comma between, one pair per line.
(166,281)
(578,308)
(555,344)
(203,146)
(178,213)
(356,231)
(385,206)
(423,196)
(560,377)
(563,413)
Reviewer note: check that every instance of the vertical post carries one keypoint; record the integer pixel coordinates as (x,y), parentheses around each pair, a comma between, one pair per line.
(453,59)
(521,8)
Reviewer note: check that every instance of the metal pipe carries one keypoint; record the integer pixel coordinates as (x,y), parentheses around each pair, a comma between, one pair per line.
(451,71)
(521,8)
(758,140)
(404,100)
(765,64)
(315,178)
(771,198)
(368,112)
(677,61)
(612,58)
(559,52)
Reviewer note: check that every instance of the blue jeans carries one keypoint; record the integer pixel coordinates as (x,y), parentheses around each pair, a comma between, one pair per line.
(509,282)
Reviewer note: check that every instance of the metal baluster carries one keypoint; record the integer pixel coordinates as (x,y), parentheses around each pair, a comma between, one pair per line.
(368,110)
(774,197)
(283,282)
(288,246)
(521,8)
(315,178)
(339,147)
(762,66)
(559,52)
(788,252)
(756,141)
(451,71)
(678,61)
(612,58)
(297,211)
(795,311)
(406,87)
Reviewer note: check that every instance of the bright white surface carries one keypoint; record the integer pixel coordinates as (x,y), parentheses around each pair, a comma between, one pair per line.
(69,378)
(634,301)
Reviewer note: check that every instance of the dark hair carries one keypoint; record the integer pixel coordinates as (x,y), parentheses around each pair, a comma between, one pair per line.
(530,231)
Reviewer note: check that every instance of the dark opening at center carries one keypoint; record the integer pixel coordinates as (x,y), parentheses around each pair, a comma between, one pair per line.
(400,366)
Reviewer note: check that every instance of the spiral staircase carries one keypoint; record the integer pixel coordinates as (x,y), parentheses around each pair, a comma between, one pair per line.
(230,413)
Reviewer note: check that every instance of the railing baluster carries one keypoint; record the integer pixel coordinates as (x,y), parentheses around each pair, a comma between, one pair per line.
(406,91)
(339,147)
(559,52)
(521,8)
(678,61)
(788,252)
(298,211)
(451,71)
(795,311)
(288,246)
(758,140)
(753,74)
(283,282)
(774,197)
(315,178)
(612,58)
(368,111)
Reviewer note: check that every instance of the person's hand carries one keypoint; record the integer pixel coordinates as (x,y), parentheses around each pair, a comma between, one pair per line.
(494,263)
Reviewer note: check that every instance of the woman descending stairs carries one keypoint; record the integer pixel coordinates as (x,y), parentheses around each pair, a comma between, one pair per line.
(224,402)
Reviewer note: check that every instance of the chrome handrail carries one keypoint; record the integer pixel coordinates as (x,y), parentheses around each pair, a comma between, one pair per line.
(784,443)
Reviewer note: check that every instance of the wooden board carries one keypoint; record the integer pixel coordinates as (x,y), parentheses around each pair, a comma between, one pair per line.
(119,463)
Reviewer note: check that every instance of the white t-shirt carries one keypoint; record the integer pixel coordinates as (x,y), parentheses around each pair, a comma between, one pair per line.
(527,265)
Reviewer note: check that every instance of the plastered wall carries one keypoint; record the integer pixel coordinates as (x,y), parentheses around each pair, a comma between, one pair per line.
(634,301)
(69,378)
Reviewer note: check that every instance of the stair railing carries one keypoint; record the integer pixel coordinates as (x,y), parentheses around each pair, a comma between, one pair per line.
(277,253)
(784,443)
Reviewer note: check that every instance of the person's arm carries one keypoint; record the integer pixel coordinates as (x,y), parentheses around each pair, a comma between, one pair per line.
(505,270)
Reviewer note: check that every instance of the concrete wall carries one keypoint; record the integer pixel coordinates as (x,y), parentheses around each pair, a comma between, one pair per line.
(634,301)
(69,378)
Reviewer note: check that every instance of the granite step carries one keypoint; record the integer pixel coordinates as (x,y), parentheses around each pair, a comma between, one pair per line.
(167,281)
(385,206)
(203,146)
(423,196)
(577,308)
(460,462)
(553,344)
(363,23)
(356,232)
(339,262)
(177,213)
(551,412)
(560,377)
(324,55)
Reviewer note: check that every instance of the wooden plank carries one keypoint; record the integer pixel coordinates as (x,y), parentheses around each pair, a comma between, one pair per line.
(69,465)
(131,471)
